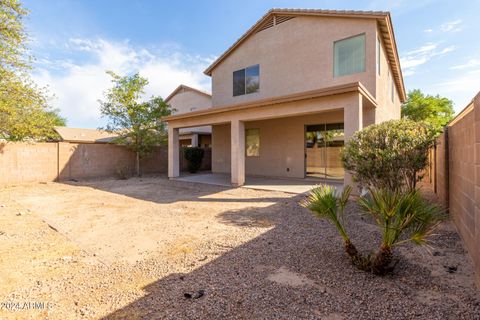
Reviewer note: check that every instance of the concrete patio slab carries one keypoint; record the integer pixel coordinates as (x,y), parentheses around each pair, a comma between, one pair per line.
(289,185)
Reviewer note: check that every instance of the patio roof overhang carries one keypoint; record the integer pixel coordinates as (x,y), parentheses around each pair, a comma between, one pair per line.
(215,115)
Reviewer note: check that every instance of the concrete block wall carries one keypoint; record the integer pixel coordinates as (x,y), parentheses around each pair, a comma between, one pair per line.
(475,246)
(27,162)
(62,161)
(85,161)
(440,169)
(457,176)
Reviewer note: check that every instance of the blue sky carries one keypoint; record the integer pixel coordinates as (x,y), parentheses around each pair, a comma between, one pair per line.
(172,42)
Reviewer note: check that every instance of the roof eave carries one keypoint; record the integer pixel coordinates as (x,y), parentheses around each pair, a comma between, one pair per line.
(174,92)
(403,94)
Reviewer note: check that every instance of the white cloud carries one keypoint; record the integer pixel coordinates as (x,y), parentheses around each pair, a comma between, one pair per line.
(460,89)
(414,58)
(428,30)
(451,26)
(472,63)
(78,86)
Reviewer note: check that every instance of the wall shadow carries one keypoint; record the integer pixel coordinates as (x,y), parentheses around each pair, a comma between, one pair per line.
(158,189)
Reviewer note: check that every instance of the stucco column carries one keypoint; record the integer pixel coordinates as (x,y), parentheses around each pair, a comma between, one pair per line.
(353,121)
(173,153)
(238,152)
(195,140)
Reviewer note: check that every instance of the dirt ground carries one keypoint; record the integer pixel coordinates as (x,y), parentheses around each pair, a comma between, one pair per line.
(153,249)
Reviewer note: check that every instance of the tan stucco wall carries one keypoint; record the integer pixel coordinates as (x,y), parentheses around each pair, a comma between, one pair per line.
(295,56)
(282,145)
(221,148)
(387,109)
(187,101)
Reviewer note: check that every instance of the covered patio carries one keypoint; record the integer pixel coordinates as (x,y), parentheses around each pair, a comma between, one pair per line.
(288,185)
(282,123)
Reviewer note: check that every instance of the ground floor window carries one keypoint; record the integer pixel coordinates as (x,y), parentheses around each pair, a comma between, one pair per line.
(252,142)
(323,144)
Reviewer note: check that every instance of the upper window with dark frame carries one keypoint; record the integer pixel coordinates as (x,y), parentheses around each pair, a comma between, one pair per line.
(349,56)
(246,80)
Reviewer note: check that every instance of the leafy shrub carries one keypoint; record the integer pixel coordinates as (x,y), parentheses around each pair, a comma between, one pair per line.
(390,155)
(122,172)
(401,217)
(194,157)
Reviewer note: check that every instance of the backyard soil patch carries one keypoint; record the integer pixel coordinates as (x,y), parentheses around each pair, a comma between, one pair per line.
(156,249)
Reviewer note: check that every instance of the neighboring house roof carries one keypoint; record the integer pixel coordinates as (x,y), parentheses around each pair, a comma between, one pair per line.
(383,18)
(182,88)
(85,135)
(339,89)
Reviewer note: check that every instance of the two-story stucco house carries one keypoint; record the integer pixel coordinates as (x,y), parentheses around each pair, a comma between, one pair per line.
(187,99)
(289,93)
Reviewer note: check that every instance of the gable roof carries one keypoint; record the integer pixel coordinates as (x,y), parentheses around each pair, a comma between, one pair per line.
(275,16)
(182,88)
(85,135)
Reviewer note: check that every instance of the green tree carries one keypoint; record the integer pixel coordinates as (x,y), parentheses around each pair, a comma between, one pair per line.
(139,123)
(24,111)
(434,110)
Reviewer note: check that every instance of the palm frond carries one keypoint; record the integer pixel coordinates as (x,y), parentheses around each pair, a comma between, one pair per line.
(402,215)
(326,203)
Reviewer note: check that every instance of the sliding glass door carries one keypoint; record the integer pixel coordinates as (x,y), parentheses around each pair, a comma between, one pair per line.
(323,143)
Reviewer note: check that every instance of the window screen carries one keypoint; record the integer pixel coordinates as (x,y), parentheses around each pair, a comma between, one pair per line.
(239,82)
(349,56)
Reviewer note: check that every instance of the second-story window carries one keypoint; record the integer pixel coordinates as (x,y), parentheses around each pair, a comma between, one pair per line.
(246,80)
(349,56)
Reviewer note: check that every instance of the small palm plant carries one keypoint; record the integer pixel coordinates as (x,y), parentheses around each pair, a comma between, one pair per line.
(326,202)
(402,217)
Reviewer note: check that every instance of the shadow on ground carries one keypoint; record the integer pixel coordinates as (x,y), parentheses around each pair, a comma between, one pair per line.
(158,189)
(296,270)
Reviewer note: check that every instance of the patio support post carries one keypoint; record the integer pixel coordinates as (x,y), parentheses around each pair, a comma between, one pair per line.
(173,153)
(238,153)
(195,140)
(353,121)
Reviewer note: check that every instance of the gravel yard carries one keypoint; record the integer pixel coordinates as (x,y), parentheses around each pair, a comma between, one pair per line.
(156,249)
